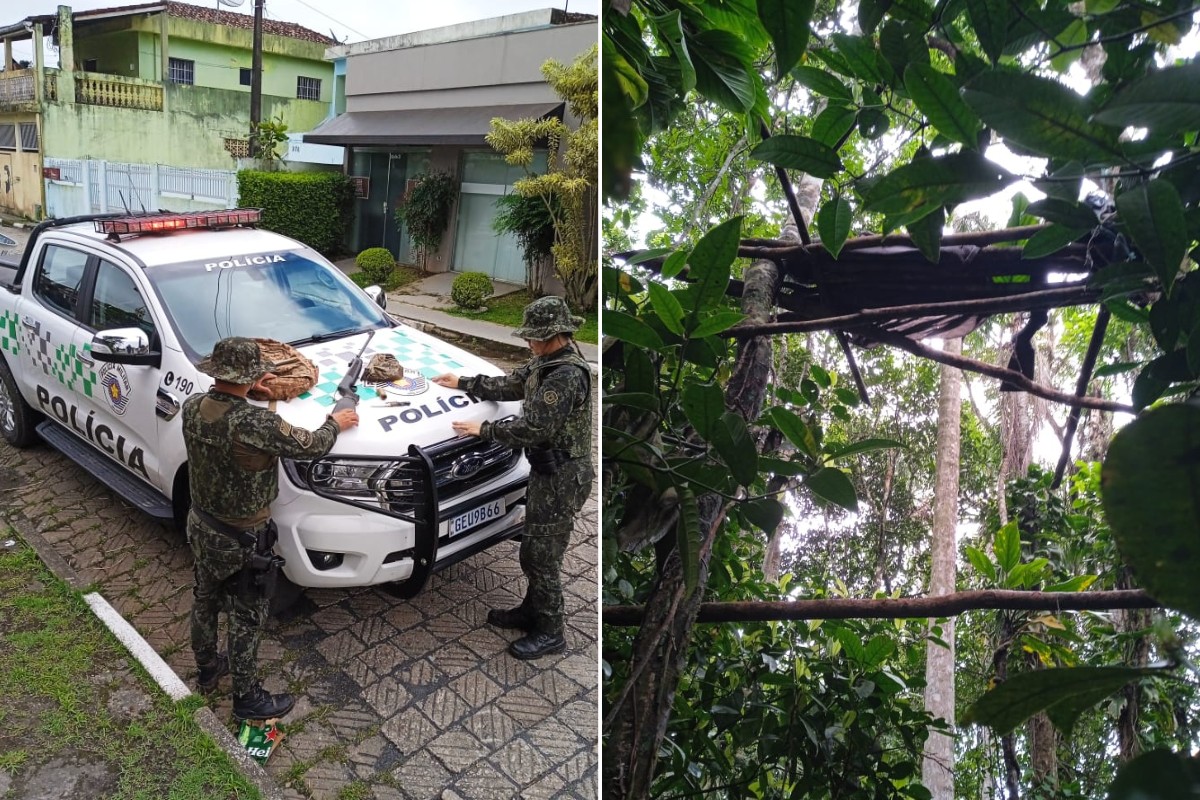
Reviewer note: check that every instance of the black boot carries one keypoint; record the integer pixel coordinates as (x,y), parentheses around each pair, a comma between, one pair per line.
(517,618)
(258,703)
(210,674)
(536,645)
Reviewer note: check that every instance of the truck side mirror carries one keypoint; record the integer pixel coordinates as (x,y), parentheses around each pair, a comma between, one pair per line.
(124,346)
(377,294)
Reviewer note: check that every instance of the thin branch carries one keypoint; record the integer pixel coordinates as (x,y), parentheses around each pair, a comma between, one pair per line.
(1067,295)
(773,248)
(1012,376)
(1085,377)
(789,193)
(1116,37)
(947,605)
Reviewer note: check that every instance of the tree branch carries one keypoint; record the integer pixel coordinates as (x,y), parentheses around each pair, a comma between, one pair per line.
(948,605)
(1012,376)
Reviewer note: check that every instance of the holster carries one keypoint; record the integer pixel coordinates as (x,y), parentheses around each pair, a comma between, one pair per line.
(260,571)
(546,460)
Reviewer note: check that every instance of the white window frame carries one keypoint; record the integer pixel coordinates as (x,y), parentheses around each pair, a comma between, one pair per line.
(180,68)
(308,88)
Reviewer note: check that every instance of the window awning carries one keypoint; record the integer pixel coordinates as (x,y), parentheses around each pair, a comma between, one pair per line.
(423,126)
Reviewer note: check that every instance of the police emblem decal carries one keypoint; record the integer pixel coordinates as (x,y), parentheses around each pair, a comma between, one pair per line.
(116,387)
(412,383)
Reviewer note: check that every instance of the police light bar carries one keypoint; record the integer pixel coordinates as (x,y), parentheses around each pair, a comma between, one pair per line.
(165,223)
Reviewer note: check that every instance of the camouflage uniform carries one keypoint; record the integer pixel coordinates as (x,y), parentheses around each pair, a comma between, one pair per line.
(233,449)
(556,412)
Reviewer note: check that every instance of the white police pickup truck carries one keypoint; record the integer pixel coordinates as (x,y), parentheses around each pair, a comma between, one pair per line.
(102,325)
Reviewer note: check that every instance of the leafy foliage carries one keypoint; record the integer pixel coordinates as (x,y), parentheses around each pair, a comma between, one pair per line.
(312,207)
(425,209)
(377,263)
(471,289)
(531,220)
(567,190)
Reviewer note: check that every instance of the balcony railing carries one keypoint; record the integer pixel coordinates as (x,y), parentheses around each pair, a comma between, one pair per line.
(118,92)
(16,87)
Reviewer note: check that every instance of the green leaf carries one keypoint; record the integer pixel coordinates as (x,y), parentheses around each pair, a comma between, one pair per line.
(1100,6)
(860,55)
(1064,212)
(1042,116)
(930,183)
(823,84)
(1063,183)
(926,234)
(703,404)
(991,20)
(983,565)
(666,307)
(832,124)
(864,446)
(872,123)
(675,263)
(1157,775)
(1072,36)
(764,512)
(833,486)
(787,22)
(670,30)
(628,82)
(687,537)
(716,323)
(938,99)
(1007,547)
(778,466)
(870,12)
(1050,240)
(724,70)
(1153,215)
(648,255)
(640,374)
(833,224)
(1078,583)
(731,437)
(710,261)
(902,44)
(878,650)
(799,152)
(631,329)
(1148,484)
(642,400)
(792,427)
(1166,101)
(1026,693)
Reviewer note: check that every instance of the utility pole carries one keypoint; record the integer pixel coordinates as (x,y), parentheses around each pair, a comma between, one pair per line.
(256,79)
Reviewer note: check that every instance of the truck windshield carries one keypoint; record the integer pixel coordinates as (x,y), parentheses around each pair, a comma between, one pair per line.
(288,296)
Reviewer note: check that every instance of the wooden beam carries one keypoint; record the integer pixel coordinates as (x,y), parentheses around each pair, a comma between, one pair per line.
(948,605)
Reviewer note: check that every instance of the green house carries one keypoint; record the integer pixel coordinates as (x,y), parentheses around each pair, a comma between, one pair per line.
(158,90)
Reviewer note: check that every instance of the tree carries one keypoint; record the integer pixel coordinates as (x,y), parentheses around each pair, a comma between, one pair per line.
(895,115)
(568,187)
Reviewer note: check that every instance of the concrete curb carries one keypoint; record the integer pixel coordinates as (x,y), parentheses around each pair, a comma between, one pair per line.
(166,678)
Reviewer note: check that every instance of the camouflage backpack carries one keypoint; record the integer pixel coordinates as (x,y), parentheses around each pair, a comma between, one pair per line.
(293,373)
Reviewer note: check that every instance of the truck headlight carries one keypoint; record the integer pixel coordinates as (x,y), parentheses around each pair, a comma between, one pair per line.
(347,478)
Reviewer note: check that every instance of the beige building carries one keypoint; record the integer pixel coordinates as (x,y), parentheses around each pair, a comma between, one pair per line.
(423,102)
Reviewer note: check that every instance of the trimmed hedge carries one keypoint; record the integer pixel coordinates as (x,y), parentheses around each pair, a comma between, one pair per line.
(470,289)
(377,264)
(312,207)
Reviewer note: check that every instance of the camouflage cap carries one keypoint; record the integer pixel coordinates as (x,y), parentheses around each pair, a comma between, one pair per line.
(546,317)
(235,359)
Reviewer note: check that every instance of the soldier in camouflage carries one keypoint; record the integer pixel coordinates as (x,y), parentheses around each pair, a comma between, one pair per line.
(555,428)
(233,451)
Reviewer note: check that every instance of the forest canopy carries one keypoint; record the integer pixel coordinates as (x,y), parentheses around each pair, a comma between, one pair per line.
(793,237)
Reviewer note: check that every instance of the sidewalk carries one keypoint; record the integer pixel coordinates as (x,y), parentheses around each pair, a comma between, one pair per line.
(422,303)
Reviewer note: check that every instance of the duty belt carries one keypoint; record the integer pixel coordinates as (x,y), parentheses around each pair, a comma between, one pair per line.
(243,537)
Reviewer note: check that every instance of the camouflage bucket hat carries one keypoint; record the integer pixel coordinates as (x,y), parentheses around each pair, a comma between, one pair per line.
(235,360)
(546,317)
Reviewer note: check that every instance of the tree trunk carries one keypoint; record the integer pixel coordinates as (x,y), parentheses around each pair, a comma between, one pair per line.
(637,722)
(937,769)
(1138,655)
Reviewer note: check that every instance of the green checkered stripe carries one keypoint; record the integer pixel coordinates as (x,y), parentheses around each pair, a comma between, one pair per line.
(59,361)
(333,359)
(9,343)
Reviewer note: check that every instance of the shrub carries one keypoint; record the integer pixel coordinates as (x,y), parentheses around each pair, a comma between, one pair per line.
(312,207)
(425,210)
(470,289)
(377,264)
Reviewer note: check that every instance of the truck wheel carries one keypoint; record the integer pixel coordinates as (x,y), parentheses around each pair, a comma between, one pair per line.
(17,418)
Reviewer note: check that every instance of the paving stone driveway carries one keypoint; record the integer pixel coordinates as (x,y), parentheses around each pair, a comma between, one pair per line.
(397,699)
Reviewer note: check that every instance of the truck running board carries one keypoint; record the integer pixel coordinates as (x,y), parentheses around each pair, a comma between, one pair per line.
(133,490)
